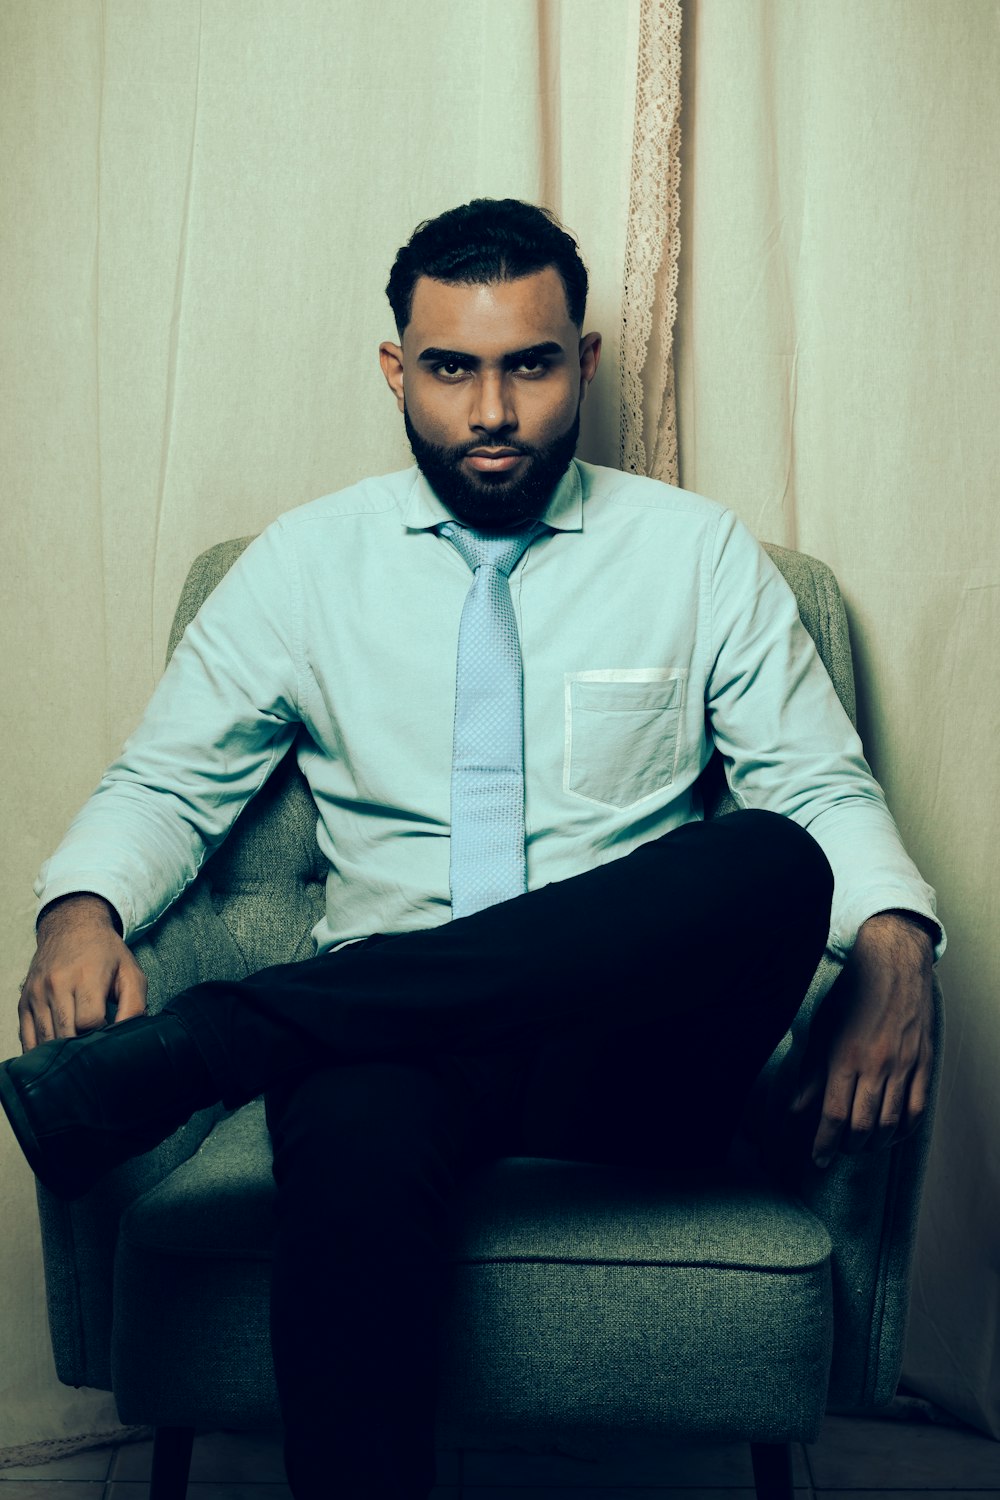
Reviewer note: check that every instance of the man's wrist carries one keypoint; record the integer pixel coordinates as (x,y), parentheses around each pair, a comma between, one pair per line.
(915,919)
(79,905)
(900,931)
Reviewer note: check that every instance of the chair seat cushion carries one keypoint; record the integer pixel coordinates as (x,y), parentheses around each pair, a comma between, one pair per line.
(585,1298)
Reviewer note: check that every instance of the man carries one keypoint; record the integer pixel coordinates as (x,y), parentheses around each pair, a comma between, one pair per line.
(506,720)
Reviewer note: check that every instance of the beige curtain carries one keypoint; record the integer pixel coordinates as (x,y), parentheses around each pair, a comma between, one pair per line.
(201,204)
(836,372)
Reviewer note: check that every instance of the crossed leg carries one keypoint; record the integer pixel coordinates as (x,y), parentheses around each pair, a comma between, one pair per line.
(712,920)
(370,1153)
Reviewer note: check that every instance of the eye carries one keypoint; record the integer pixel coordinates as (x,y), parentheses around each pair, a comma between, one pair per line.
(532,366)
(451,369)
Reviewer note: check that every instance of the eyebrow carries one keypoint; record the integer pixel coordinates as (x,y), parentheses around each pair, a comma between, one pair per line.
(436,356)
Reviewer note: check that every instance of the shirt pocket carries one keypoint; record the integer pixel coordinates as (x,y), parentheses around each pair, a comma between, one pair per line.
(622,732)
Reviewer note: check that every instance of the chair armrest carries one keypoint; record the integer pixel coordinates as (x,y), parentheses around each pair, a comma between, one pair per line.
(189,944)
(869,1204)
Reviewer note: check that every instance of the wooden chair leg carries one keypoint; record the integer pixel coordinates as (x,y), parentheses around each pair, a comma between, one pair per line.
(772,1470)
(171,1463)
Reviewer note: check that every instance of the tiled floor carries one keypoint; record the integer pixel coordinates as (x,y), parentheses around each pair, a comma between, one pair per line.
(853,1460)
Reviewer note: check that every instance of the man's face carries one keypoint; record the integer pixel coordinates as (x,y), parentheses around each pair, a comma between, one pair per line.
(489,380)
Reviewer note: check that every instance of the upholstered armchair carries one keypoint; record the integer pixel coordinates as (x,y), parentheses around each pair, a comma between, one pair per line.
(588,1303)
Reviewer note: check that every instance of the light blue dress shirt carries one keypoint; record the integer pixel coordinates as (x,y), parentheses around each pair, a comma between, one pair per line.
(652,624)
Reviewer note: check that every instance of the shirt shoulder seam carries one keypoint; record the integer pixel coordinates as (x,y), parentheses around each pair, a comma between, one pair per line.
(337,506)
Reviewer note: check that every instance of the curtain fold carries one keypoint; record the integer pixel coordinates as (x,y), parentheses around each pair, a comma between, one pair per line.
(836,358)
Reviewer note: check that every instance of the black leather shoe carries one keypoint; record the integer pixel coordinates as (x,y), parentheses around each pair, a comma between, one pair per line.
(82,1105)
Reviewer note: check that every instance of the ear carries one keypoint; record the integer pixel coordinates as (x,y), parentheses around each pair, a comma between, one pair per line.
(590,358)
(391,359)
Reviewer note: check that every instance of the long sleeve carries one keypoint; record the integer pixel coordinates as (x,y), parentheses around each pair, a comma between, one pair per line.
(789,746)
(222,716)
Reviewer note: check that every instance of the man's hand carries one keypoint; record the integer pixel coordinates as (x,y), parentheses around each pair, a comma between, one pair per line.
(79,965)
(870,1058)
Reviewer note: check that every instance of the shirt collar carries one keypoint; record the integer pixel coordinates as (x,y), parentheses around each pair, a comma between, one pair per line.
(422,510)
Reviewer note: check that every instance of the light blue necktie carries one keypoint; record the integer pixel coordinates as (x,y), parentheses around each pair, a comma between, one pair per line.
(487,771)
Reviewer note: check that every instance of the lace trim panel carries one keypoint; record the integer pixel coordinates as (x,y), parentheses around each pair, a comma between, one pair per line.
(651,249)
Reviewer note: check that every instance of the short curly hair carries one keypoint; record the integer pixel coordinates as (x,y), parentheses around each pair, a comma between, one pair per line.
(485,241)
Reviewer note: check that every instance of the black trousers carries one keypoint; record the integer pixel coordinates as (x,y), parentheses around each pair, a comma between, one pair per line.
(618,1016)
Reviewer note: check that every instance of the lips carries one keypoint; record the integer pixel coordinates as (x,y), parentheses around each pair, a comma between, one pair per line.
(494,460)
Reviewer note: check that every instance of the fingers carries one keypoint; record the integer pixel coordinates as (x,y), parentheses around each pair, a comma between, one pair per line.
(58,1009)
(858,1113)
(63,1012)
(62,1001)
(918,1094)
(886,1128)
(45,1013)
(866,1115)
(893,1111)
(838,1102)
(130,988)
(26,1025)
(861,1113)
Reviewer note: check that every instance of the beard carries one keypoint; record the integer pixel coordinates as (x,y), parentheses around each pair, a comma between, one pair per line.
(494,502)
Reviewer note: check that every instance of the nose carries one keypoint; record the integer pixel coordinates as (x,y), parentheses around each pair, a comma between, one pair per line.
(492,409)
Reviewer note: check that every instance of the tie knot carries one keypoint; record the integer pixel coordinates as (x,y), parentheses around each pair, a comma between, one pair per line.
(500,550)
